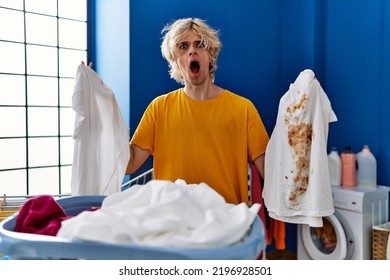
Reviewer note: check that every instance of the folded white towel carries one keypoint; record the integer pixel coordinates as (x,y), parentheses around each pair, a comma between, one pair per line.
(163,213)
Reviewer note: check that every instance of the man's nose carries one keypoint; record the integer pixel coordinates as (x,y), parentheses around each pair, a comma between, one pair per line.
(192,50)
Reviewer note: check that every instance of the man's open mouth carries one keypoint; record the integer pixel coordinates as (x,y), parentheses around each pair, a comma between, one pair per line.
(194,66)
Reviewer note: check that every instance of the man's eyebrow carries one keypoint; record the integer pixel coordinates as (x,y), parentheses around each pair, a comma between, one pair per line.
(187,42)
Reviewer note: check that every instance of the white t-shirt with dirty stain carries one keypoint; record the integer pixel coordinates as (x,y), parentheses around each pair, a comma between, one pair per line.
(297,186)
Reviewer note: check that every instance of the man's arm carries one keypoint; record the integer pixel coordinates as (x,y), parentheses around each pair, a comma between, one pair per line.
(137,158)
(259,163)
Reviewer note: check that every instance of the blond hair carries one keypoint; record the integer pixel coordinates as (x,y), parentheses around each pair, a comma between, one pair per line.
(174,32)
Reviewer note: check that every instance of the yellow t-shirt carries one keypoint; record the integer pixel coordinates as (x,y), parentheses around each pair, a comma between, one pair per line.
(210,141)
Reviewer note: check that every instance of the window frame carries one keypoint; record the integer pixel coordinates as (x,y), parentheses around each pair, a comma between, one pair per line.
(59,108)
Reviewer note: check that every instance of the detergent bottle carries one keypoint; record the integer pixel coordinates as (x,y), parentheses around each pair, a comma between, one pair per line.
(334,163)
(348,168)
(366,168)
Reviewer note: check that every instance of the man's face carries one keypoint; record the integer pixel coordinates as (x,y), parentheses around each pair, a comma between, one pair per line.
(193,59)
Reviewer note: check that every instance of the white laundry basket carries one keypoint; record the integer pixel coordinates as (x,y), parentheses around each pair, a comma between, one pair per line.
(18,245)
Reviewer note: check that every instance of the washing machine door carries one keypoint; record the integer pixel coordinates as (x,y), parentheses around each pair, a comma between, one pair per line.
(334,241)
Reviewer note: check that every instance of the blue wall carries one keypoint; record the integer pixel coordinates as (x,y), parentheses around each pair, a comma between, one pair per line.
(110,48)
(356,78)
(266,44)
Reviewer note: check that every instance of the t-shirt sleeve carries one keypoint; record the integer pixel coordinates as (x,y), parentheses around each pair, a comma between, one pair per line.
(144,134)
(257,134)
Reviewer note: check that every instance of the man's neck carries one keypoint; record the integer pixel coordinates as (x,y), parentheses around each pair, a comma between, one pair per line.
(204,91)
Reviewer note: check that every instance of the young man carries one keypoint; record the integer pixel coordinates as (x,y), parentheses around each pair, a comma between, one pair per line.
(200,132)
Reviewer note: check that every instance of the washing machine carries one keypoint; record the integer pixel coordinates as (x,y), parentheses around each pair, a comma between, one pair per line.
(347,234)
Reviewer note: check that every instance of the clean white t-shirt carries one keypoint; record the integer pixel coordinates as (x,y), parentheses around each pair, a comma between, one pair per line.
(101,147)
(297,186)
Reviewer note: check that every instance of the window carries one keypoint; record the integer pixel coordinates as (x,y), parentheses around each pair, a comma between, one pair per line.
(41,44)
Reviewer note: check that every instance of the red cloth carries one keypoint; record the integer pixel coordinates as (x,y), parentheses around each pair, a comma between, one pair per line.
(257,197)
(40,215)
(256,193)
(274,230)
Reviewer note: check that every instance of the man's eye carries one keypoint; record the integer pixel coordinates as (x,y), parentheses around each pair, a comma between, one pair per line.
(183,46)
(201,45)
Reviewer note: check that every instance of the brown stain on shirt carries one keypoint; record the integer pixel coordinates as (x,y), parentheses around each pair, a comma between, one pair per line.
(299,136)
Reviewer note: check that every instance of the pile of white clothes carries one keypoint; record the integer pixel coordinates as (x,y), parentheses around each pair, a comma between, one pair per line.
(163,213)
